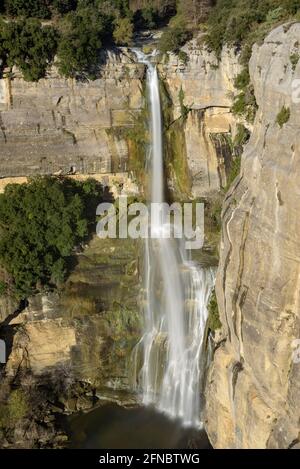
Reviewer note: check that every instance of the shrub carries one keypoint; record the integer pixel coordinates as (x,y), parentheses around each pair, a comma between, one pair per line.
(123,32)
(245,104)
(283,116)
(294,58)
(242,135)
(183,57)
(213,321)
(242,80)
(234,171)
(174,38)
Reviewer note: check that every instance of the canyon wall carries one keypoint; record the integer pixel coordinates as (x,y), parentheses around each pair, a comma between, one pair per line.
(63,126)
(204,87)
(253,386)
(66,126)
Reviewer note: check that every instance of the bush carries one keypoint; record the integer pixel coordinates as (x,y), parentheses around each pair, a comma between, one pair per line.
(41,222)
(242,80)
(213,321)
(123,32)
(294,58)
(234,171)
(173,39)
(242,135)
(245,104)
(283,116)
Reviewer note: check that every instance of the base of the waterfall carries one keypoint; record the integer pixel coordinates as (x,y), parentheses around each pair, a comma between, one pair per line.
(115,427)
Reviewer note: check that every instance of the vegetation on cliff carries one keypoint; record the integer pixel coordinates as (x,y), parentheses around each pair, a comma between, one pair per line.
(240,24)
(76,31)
(41,223)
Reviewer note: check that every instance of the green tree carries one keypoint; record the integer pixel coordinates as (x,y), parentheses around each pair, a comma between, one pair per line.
(41,222)
(29,46)
(81,42)
(123,31)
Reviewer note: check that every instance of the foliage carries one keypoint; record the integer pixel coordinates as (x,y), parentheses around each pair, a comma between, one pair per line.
(283,116)
(174,38)
(245,104)
(241,22)
(28,8)
(242,80)
(213,320)
(41,223)
(242,136)
(79,48)
(123,32)
(294,58)
(234,171)
(183,57)
(29,46)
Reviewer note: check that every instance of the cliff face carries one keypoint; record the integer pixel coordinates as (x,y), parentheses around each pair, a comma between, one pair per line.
(96,331)
(205,88)
(60,125)
(253,386)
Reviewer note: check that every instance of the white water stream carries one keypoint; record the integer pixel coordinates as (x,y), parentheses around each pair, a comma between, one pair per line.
(169,359)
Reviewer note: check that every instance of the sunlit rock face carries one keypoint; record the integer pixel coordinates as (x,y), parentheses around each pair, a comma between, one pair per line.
(206,87)
(89,328)
(253,386)
(65,125)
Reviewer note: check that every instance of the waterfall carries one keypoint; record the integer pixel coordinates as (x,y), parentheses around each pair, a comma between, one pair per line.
(169,359)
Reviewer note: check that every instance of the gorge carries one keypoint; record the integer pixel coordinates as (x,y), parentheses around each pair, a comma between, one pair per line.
(129,323)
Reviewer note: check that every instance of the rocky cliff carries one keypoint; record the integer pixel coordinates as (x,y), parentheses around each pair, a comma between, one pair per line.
(253,386)
(204,88)
(65,125)
(60,126)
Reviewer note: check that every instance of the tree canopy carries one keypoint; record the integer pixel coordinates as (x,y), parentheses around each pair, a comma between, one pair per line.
(40,224)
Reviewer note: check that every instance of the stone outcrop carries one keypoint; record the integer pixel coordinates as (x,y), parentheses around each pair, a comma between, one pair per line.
(253,388)
(90,326)
(64,126)
(206,87)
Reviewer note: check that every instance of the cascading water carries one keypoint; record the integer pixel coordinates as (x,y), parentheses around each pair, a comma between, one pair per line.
(169,362)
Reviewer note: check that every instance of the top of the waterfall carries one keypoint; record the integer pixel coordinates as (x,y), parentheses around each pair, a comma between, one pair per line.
(145,58)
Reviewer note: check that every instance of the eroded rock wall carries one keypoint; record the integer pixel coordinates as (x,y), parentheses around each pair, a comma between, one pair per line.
(253,388)
(65,125)
(206,87)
